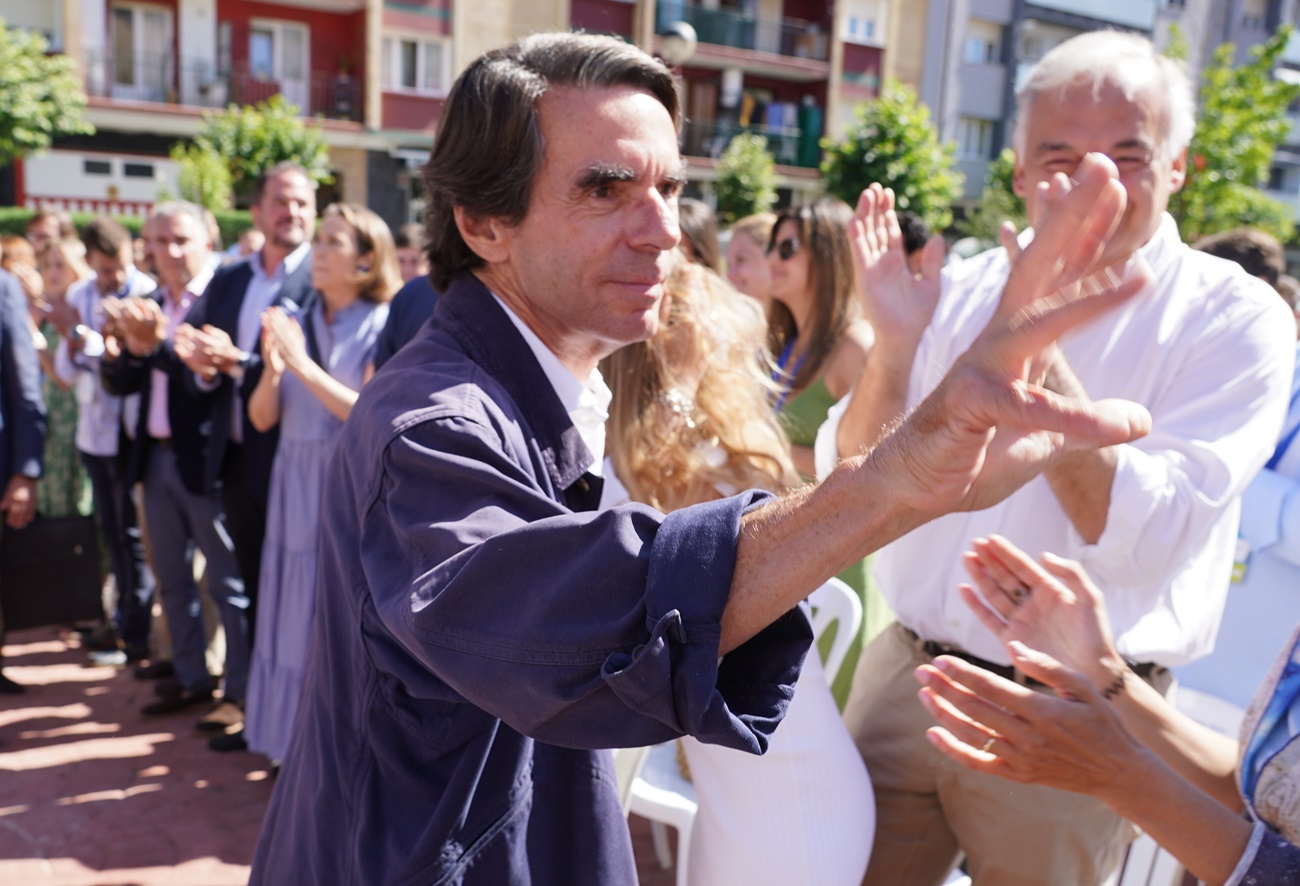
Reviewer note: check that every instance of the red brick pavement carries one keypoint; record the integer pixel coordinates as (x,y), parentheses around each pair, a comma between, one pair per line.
(94,794)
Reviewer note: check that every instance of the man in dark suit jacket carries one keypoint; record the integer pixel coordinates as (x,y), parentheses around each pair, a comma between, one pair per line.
(220,343)
(183,504)
(22,418)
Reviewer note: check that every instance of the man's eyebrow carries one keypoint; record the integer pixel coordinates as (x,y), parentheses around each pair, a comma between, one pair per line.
(1049,147)
(1133,143)
(677,177)
(601,174)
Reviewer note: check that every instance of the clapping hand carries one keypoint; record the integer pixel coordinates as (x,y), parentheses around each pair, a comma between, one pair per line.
(138,321)
(286,338)
(989,427)
(1052,606)
(898,303)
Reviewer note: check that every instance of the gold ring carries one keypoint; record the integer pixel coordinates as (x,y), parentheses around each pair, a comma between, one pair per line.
(1018,594)
(988,744)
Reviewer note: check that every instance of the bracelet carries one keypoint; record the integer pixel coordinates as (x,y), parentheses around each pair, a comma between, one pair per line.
(1115,688)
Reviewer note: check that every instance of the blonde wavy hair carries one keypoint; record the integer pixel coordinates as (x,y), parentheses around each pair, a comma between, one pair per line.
(692,417)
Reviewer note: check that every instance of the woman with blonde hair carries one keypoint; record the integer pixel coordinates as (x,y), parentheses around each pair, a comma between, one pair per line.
(64,488)
(314,366)
(747,268)
(691,420)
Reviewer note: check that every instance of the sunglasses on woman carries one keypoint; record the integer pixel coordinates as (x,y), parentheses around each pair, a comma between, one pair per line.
(785,249)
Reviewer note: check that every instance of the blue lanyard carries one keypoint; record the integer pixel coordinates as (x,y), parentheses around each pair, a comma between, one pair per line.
(1272,732)
(781,377)
(1288,439)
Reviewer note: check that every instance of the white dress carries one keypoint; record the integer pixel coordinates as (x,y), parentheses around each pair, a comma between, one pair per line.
(800,815)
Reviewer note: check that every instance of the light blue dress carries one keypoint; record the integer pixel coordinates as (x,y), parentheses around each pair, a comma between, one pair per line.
(287,598)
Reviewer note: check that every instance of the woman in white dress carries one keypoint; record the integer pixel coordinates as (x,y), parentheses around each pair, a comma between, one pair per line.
(692,420)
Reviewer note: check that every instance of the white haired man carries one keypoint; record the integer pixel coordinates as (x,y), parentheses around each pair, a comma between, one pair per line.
(1204,347)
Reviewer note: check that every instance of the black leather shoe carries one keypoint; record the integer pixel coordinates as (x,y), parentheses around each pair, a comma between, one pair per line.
(154,670)
(9,687)
(181,700)
(228,741)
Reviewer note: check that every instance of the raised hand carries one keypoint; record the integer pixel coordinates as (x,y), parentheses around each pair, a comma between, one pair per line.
(898,303)
(987,428)
(1053,607)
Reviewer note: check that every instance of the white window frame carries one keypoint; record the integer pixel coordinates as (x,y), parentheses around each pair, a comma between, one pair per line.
(864,22)
(391,63)
(145,85)
(984,132)
(296,90)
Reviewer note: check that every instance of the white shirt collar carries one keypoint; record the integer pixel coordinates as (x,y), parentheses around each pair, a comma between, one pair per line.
(586,401)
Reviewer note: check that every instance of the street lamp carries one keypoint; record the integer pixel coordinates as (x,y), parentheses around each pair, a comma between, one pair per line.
(677,43)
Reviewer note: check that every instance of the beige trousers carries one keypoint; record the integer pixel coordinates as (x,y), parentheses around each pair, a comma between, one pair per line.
(929,808)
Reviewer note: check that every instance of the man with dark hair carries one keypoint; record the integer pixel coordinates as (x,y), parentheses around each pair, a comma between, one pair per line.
(916,233)
(1258,252)
(480,626)
(103,420)
(220,342)
(412,258)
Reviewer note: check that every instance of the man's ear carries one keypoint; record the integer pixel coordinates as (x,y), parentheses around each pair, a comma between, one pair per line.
(1178,172)
(1018,179)
(488,238)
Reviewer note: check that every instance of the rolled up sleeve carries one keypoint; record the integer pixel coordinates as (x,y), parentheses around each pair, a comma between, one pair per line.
(1213,428)
(593,629)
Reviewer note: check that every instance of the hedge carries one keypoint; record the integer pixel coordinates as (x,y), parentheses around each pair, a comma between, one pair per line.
(13,220)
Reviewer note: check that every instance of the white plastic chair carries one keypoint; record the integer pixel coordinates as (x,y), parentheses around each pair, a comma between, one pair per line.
(1146,863)
(663,796)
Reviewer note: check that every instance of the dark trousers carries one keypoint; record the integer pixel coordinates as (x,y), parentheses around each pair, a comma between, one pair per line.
(119,526)
(246,521)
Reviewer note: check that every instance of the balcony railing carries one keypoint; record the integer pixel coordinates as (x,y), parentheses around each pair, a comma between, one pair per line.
(789,145)
(158,77)
(724,27)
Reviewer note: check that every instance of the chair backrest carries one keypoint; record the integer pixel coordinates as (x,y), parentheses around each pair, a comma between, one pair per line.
(627,765)
(831,603)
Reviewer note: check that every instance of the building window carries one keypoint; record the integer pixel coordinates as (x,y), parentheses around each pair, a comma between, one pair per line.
(97,167)
(278,54)
(140,38)
(416,64)
(137,170)
(983,45)
(1253,13)
(974,138)
(864,22)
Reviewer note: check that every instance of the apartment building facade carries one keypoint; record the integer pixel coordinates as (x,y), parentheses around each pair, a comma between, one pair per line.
(374,73)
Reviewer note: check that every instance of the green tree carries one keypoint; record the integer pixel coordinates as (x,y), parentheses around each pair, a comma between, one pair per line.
(746,178)
(1241,121)
(243,142)
(998,202)
(40,95)
(894,142)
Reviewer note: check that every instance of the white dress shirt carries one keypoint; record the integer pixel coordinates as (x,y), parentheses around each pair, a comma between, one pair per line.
(260,294)
(1209,351)
(586,401)
(100,415)
(159,423)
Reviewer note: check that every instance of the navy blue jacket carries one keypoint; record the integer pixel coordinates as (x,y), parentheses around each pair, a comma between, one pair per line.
(219,307)
(478,632)
(22,408)
(410,309)
(188,411)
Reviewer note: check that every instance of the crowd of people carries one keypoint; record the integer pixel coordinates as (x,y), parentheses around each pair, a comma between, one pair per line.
(456,559)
